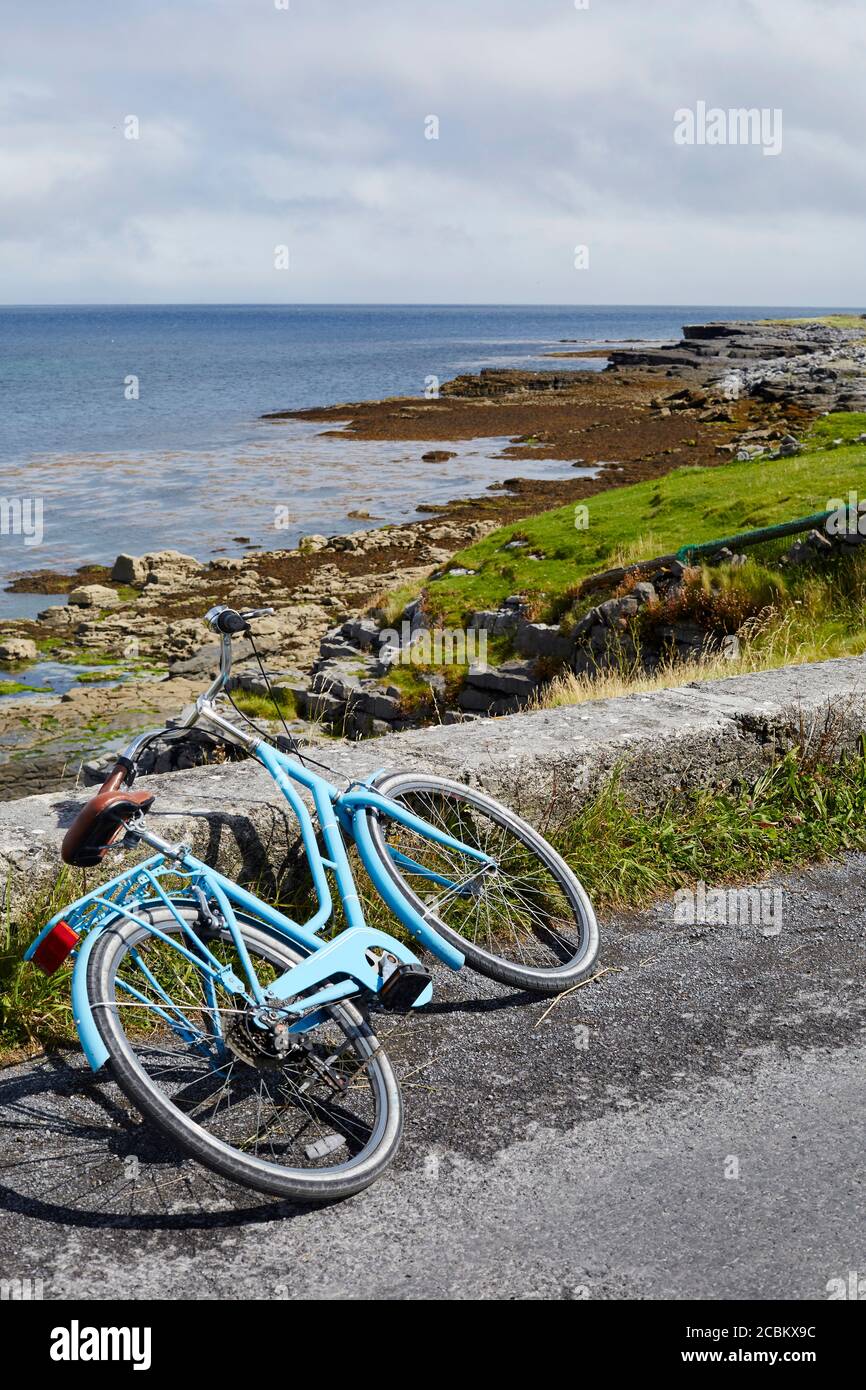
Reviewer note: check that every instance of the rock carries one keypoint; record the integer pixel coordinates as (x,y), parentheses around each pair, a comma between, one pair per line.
(645,593)
(175,559)
(361,632)
(379,704)
(58,615)
(511,678)
(730,647)
(336,680)
(495,621)
(684,634)
(93,596)
(323,708)
(438,456)
(471,698)
(17,649)
(206,661)
(334,647)
(615,611)
(584,625)
(310,544)
(129,569)
(542,640)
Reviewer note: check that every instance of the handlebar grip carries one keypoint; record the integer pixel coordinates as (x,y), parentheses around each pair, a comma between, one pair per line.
(231,622)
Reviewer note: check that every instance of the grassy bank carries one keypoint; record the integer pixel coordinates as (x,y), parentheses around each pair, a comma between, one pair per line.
(687,506)
(807,808)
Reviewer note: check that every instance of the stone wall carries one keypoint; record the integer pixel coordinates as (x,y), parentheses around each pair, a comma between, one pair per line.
(708,733)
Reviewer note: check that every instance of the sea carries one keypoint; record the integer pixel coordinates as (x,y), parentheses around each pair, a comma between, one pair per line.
(137,428)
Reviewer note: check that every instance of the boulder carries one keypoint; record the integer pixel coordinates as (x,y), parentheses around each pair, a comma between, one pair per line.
(323,708)
(511,678)
(93,596)
(614,611)
(360,632)
(129,569)
(335,679)
(206,661)
(176,559)
(379,703)
(494,620)
(542,640)
(17,649)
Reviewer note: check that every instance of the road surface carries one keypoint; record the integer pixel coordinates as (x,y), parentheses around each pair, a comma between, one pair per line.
(690,1124)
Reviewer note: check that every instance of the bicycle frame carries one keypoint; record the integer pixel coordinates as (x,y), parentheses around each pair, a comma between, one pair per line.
(332,970)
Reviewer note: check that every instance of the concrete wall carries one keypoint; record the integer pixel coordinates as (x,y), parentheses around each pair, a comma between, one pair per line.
(707,733)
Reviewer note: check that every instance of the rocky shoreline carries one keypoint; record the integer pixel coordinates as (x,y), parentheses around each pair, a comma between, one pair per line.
(725,389)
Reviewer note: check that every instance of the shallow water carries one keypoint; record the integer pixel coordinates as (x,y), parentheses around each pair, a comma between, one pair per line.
(28,605)
(55,676)
(282,481)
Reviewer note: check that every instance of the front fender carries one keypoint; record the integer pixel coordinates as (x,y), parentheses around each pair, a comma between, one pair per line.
(91,1041)
(394,899)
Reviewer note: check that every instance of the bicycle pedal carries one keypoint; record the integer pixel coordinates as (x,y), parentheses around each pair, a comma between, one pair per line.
(403,986)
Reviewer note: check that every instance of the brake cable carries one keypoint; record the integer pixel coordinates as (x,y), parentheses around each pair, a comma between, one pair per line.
(294,747)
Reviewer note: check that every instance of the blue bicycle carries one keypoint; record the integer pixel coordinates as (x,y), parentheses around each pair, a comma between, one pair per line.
(245,1035)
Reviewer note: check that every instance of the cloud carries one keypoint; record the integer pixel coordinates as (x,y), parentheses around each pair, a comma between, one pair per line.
(261,126)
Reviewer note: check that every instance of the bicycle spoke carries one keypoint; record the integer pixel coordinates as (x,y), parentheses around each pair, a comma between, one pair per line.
(314,1107)
(516,911)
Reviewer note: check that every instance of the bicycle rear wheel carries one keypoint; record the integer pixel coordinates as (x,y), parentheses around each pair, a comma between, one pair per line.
(318,1119)
(526,922)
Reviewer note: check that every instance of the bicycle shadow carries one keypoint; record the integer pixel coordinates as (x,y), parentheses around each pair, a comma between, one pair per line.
(92,1163)
(475,1005)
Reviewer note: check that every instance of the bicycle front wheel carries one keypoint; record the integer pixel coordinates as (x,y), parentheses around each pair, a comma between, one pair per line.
(314,1117)
(525,921)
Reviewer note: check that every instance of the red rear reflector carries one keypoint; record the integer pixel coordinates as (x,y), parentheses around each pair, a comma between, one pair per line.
(55,947)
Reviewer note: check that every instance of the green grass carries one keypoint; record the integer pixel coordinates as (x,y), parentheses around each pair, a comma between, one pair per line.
(688,505)
(805,809)
(844,425)
(34,1008)
(262,706)
(388,606)
(93,677)
(832,320)
(793,815)
(19,688)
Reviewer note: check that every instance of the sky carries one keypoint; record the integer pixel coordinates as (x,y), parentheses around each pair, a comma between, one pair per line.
(283,152)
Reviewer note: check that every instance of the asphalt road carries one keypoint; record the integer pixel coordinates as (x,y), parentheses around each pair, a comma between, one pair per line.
(688,1125)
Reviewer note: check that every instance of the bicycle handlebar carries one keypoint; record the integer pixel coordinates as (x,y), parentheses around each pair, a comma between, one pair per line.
(229,623)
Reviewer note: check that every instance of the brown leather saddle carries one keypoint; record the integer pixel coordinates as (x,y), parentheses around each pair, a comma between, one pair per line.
(103,821)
